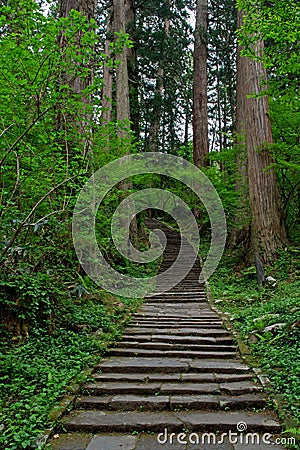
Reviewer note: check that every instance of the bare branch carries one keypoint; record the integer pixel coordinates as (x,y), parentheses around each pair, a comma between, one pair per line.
(24,223)
(6,129)
(24,134)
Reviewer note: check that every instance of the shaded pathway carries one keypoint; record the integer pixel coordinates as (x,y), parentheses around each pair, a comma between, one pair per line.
(176,369)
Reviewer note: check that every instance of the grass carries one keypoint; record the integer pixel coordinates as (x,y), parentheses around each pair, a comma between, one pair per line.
(275,350)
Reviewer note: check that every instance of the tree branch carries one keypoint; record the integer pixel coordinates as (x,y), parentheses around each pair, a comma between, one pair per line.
(24,223)
(23,134)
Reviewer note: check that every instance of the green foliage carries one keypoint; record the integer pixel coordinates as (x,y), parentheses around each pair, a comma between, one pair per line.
(30,297)
(278,24)
(285,116)
(275,350)
(36,373)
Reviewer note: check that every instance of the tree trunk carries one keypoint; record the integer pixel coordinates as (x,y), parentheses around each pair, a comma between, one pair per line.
(107,75)
(241,232)
(80,121)
(156,113)
(123,105)
(157,109)
(133,72)
(200,115)
(122,85)
(267,226)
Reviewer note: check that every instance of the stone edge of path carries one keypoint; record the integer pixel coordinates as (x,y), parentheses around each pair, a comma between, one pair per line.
(67,401)
(287,419)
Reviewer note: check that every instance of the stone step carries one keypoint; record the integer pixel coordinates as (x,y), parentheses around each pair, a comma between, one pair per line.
(145,323)
(178,388)
(176,310)
(176,369)
(151,388)
(162,346)
(176,313)
(176,300)
(171,324)
(176,316)
(170,377)
(194,293)
(157,323)
(170,353)
(170,365)
(182,326)
(129,402)
(203,340)
(129,422)
(178,331)
(162,440)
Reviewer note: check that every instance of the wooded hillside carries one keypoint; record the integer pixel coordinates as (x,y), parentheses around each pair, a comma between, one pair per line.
(83,83)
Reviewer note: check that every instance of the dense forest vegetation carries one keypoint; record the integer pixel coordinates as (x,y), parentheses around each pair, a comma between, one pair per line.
(83,83)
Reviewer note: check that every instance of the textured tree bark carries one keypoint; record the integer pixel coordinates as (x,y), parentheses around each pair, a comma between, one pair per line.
(122,103)
(107,91)
(200,115)
(241,231)
(133,71)
(122,85)
(157,109)
(78,84)
(267,226)
(156,119)
(88,9)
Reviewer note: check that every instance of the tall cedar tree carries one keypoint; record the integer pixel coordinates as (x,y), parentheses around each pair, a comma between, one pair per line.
(200,115)
(267,226)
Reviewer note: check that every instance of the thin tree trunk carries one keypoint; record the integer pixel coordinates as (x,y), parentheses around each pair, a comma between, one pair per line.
(241,231)
(122,85)
(157,109)
(107,76)
(133,72)
(200,114)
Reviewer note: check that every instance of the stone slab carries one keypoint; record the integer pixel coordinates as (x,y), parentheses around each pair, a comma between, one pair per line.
(240,387)
(74,441)
(151,443)
(141,403)
(122,388)
(220,366)
(190,388)
(112,443)
(202,402)
(122,422)
(221,421)
(144,365)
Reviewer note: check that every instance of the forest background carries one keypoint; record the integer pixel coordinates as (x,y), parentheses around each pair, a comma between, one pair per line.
(83,83)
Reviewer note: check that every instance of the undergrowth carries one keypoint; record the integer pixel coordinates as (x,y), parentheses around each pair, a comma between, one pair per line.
(268,320)
(39,370)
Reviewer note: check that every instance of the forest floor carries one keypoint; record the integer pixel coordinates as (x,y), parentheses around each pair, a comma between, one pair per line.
(42,367)
(268,323)
(38,370)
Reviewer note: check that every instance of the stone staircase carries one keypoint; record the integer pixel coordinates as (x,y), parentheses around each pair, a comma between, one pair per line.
(176,370)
